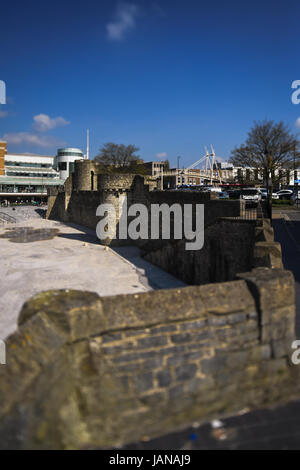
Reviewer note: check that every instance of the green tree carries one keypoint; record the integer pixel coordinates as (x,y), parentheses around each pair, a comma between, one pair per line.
(269,148)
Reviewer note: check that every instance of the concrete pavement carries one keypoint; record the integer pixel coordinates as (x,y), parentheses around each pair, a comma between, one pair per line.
(72,259)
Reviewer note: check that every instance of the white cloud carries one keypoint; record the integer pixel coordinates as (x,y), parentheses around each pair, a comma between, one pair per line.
(161,155)
(43,122)
(33,139)
(124,21)
(297,123)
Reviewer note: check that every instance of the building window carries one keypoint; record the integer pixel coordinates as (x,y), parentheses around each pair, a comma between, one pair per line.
(62,166)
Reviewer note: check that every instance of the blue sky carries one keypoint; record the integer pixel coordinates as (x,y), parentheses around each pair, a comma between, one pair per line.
(167,76)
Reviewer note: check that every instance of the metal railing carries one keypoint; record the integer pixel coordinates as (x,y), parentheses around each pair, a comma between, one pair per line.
(254,211)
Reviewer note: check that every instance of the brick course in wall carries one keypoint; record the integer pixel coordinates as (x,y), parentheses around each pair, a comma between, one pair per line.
(96,372)
(100,372)
(79,204)
(230,246)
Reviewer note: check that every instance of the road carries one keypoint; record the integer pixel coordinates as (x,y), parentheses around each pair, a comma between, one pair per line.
(287,233)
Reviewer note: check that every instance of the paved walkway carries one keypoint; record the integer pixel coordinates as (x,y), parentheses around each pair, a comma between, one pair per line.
(72,259)
(287,233)
(267,429)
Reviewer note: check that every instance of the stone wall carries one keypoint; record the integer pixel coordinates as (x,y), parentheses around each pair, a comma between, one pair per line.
(102,372)
(85,176)
(79,206)
(115,182)
(230,246)
(56,203)
(228,249)
(89,372)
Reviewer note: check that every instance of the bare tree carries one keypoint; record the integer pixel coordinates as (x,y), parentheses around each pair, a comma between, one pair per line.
(118,155)
(269,148)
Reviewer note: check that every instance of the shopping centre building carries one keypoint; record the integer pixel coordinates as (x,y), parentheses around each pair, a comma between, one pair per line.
(25,177)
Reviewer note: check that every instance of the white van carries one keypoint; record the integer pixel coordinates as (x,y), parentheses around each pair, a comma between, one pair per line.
(215,189)
(251,194)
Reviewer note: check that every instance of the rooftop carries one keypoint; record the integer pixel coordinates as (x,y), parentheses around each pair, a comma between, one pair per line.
(32,181)
(8,154)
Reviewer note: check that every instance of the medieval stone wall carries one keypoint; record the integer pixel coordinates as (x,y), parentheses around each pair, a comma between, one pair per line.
(80,205)
(228,249)
(89,372)
(85,176)
(93,372)
(230,246)
(56,203)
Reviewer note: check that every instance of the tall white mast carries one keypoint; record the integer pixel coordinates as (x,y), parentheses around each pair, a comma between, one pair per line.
(88,144)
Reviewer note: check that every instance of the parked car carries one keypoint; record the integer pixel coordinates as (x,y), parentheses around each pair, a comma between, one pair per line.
(223,195)
(234,193)
(296,196)
(213,189)
(264,194)
(285,194)
(251,194)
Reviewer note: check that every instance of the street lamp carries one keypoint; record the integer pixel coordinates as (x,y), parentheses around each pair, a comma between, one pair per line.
(178,158)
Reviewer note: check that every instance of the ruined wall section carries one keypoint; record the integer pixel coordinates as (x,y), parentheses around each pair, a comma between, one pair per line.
(101,372)
(80,205)
(85,176)
(89,176)
(230,246)
(228,249)
(56,203)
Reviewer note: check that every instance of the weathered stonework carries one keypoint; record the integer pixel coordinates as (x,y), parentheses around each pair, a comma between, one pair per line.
(90,372)
(77,202)
(231,245)
(228,249)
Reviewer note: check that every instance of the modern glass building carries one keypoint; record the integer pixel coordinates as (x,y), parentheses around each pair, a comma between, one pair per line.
(65,161)
(25,177)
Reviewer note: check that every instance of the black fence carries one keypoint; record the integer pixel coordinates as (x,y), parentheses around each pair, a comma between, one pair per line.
(253,210)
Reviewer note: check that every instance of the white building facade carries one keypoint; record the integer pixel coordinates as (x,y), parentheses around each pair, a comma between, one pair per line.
(65,161)
(25,177)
